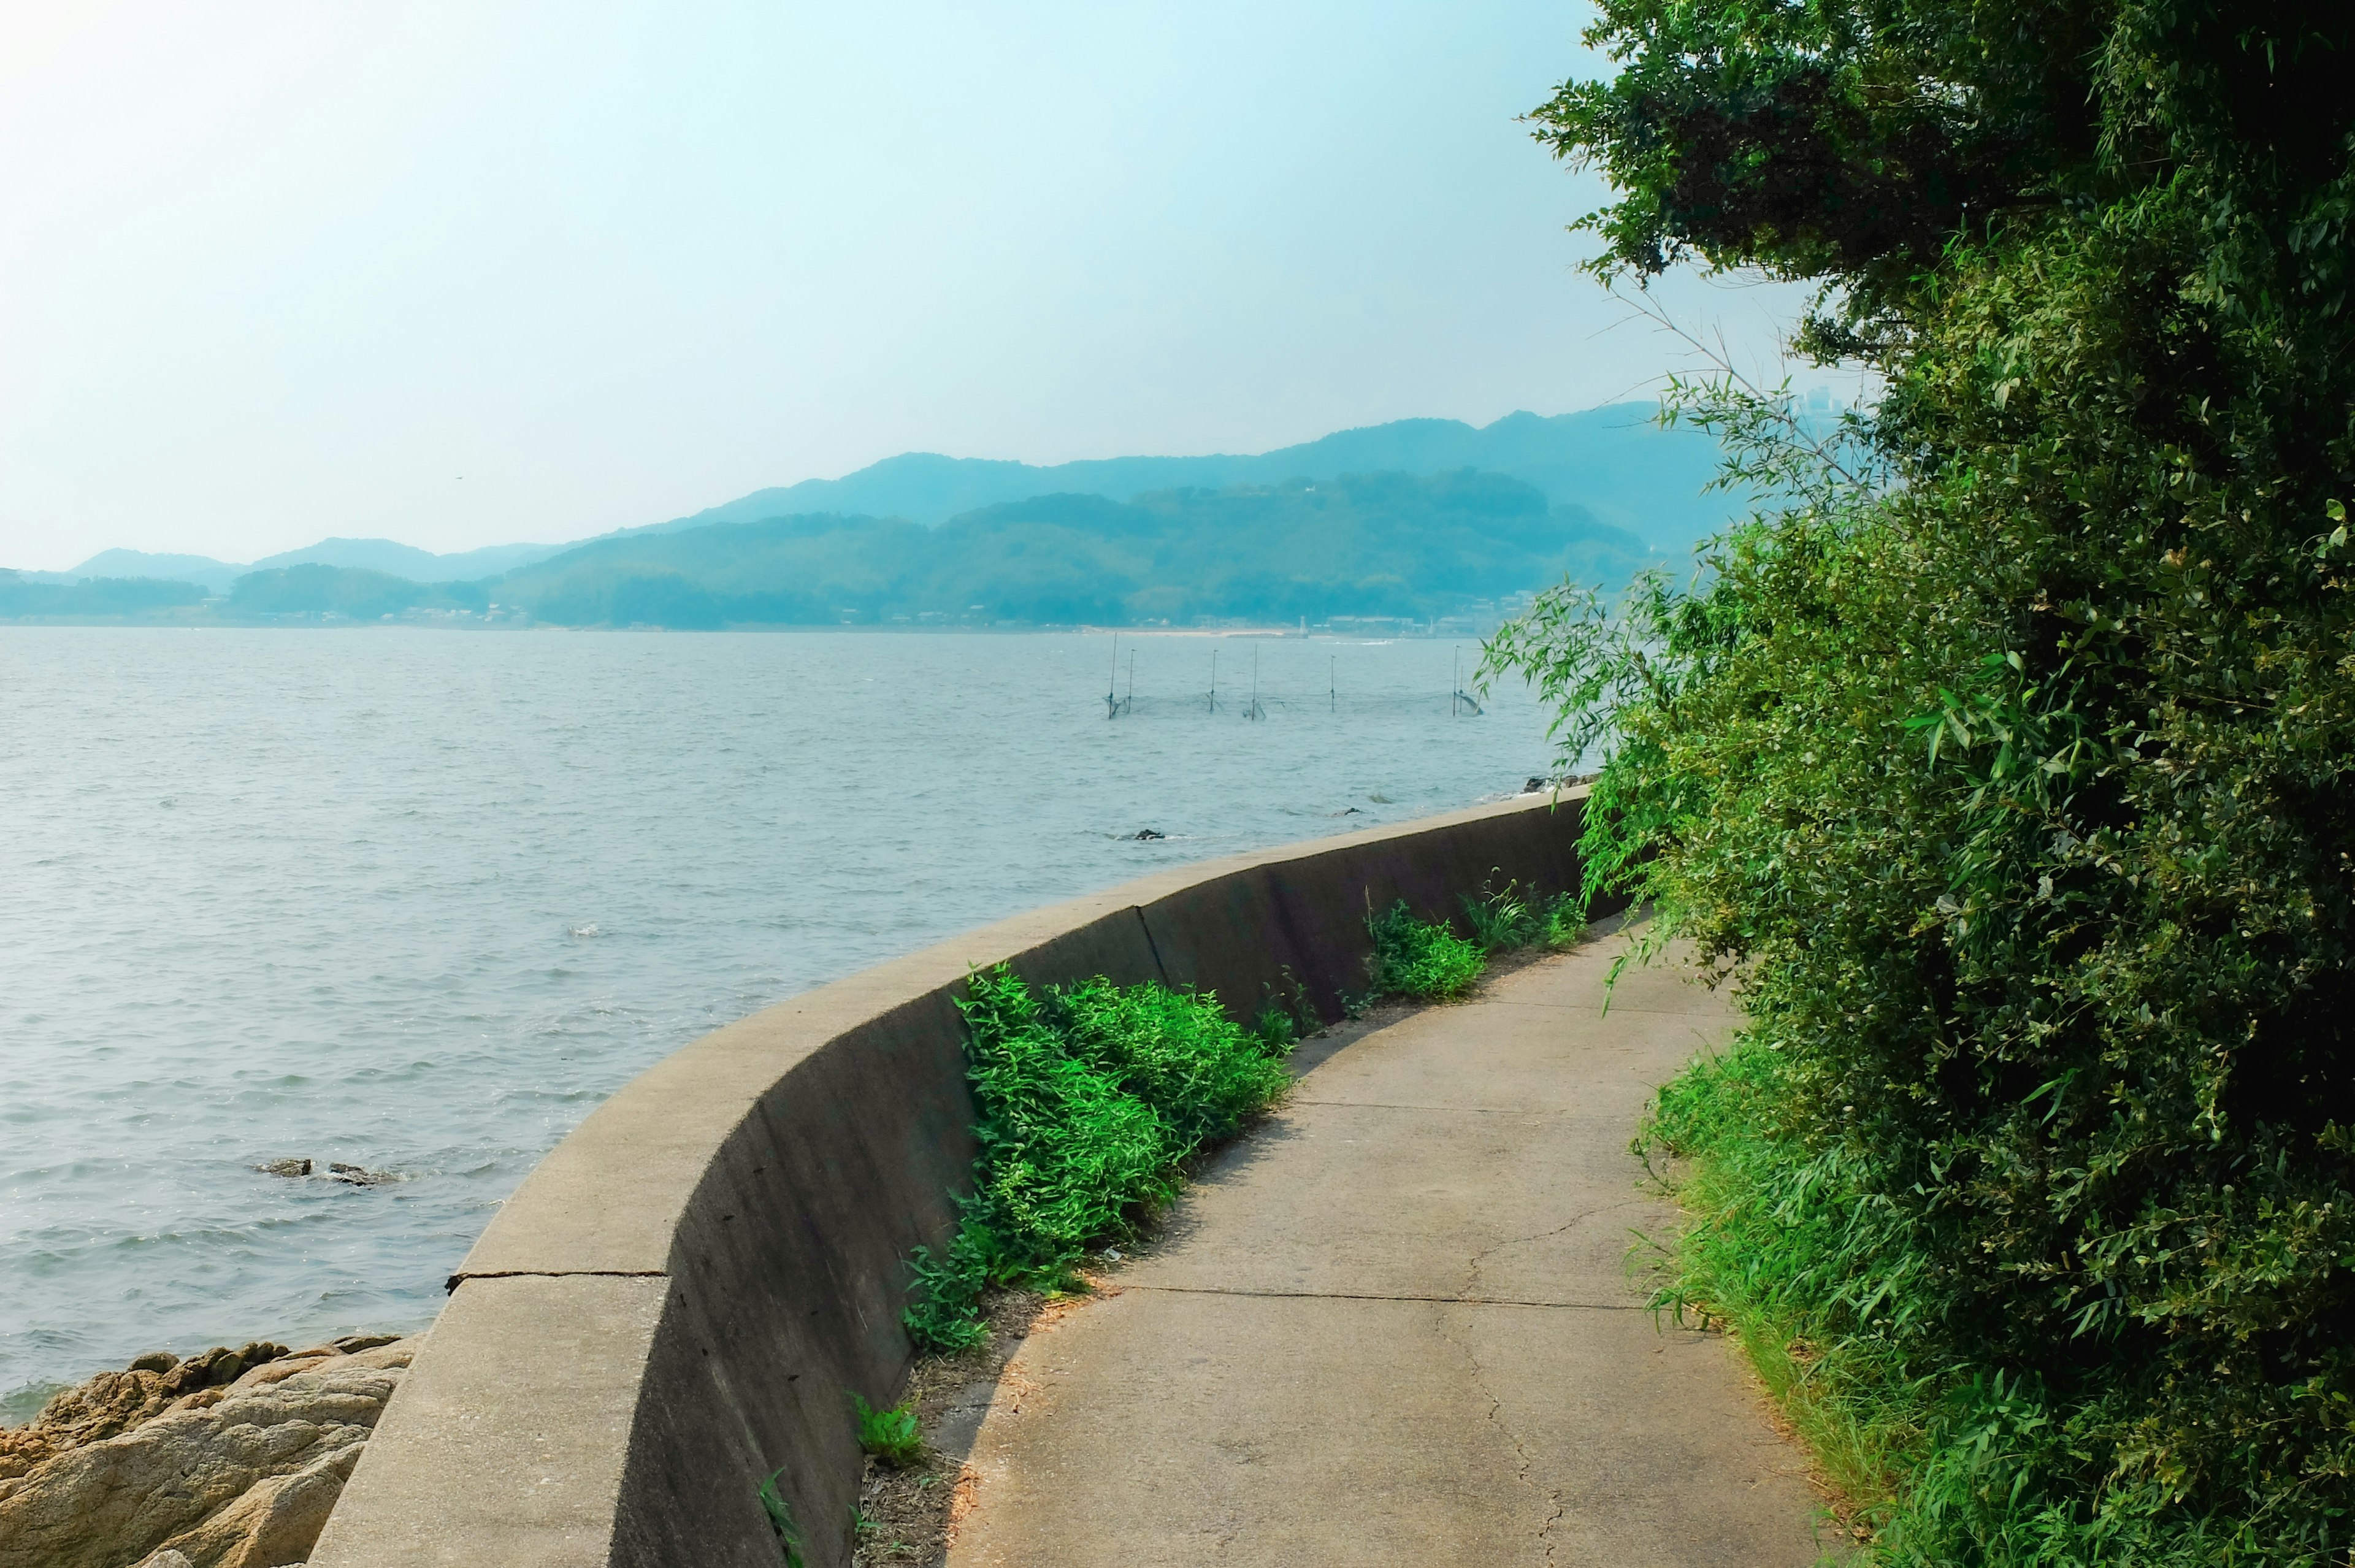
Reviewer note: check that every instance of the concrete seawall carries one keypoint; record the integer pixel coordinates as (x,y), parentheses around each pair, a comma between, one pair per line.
(681,1299)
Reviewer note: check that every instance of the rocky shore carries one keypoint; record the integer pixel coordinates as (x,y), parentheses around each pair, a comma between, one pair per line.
(230,1459)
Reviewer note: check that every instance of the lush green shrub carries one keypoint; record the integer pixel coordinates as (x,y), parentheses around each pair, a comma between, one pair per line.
(2011,763)
(1422,959)
(1091,1097)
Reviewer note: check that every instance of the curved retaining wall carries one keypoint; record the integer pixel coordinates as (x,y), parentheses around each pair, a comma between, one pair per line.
(682,1297)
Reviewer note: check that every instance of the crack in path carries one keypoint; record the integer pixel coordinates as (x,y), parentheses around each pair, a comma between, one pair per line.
(1555,1506)
(1381,1295)
(1472,1270)
(1453,1110)
(455,1280)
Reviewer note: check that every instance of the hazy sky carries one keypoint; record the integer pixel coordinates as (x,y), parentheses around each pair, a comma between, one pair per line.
(460,273)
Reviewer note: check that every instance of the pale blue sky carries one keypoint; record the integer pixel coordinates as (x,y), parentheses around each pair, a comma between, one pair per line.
(275,271)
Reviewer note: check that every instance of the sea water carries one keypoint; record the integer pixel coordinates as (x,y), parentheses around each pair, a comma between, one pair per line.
(415,902)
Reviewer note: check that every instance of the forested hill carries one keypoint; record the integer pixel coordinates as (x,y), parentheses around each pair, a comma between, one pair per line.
(1385,544)
(1417,518)
(1612,465)
(1614,462)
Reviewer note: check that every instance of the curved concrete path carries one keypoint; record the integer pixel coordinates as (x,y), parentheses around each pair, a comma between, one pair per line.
(1395,1326)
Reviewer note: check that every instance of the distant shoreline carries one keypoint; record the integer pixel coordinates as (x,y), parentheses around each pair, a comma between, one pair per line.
(1291,634)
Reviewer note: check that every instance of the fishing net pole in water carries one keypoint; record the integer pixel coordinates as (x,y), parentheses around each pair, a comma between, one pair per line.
(1292,705)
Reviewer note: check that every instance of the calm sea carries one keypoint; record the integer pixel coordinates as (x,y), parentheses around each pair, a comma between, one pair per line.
(416,901)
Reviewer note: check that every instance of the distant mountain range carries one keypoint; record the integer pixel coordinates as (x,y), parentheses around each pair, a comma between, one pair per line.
(368,554)
(1398,518)
(1390,545)
(1616,462)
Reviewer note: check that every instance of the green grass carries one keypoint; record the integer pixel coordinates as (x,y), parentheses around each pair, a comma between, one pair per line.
(892,1435)
(1940,1459)
(1092,1096)
(1767,1240)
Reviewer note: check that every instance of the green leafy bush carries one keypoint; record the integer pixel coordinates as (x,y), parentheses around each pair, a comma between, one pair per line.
(2011,759)
(1422,959)
(1092,1096)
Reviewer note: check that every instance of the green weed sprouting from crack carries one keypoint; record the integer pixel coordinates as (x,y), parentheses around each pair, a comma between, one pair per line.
(1500,918)
(892,1435)
(1506,918)
(1287,1016)
(781,1519)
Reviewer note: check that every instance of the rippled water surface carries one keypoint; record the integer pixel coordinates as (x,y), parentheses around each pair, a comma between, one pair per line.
(416,902)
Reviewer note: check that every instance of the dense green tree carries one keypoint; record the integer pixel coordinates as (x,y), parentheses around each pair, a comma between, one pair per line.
(2011,764)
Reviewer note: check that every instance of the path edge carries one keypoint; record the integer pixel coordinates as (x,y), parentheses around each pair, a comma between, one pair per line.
(680,1300)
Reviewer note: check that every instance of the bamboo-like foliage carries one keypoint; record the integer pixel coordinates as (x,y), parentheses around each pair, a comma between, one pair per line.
(2012,770)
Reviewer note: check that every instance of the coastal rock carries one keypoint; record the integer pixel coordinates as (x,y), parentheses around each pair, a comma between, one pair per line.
(109,1403)
(114,1402)
(1146,834)
(220,1366)
(241,1476)
(354,1175)
(359,1175)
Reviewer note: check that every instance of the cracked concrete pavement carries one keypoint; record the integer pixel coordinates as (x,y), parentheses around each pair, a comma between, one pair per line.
(1398,1324)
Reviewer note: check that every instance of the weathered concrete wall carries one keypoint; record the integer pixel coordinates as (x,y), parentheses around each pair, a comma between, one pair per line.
(681,1299)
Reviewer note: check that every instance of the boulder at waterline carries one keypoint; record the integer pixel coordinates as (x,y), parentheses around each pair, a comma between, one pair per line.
(241,1476)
